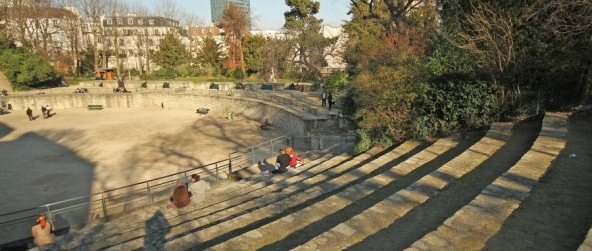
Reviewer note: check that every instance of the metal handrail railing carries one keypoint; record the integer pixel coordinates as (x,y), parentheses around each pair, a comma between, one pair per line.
(102,205)
(283,101)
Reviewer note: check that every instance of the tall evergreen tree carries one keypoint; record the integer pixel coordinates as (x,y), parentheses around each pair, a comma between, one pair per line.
(310,45)
(171,53)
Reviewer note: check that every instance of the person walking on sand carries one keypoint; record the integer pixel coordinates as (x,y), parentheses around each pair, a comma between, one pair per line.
(48,109)
(44,112)
(30,114)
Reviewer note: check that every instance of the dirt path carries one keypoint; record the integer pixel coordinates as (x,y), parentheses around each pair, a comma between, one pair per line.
(77,152)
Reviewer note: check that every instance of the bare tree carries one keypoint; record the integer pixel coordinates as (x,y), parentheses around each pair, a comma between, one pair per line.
(93,11)
(489,34)
(115,32)
(236,24)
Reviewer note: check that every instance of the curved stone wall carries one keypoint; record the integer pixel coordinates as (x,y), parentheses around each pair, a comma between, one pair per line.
(249,108)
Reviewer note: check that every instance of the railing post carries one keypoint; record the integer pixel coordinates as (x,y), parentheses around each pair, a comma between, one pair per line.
(104,206)
(229,164)
(253,156)
(49,215)
(150,199)
(271,153)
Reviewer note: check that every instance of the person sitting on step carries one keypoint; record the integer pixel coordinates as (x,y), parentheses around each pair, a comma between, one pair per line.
(180,197)
(282,162)
(42,232)
(265,126)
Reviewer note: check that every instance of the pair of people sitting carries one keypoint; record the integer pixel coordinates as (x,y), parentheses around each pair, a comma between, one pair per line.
(81,90)
(287,158)
(120,90)
(183,195)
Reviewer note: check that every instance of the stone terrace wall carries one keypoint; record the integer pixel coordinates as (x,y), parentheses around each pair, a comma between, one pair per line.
(248,108)
(157,84)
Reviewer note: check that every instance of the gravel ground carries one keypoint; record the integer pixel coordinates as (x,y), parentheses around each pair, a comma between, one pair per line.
(77,152)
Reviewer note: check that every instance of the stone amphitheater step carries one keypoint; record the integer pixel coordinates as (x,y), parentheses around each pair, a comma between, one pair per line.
(397,205)
(260,180)
(220,196)
(131,237)
(334,179)
(471,226)
(296,215)
(286,227)
(556,215)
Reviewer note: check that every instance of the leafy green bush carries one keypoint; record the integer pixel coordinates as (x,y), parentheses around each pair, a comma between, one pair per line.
(163,73)
(336,81)
(457,102)
(238,73)
(186,70)
(26,69)
(363,142)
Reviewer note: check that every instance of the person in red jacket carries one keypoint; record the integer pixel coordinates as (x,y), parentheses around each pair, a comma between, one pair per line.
(294,160)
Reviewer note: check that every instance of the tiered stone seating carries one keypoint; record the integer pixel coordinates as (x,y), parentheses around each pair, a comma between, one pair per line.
(132,231)
(471,226)
(265,211)
(219,196)
(224,223)
(348,233)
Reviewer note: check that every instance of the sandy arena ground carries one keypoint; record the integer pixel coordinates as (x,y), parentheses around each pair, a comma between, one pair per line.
(77,152)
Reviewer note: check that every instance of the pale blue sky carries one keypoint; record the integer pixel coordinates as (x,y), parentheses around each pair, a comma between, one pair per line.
(268,14)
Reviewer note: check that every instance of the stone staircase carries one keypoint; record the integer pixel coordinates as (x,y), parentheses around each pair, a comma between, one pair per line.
(453,194)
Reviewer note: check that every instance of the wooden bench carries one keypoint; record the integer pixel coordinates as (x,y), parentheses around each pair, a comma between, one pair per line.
(95,107)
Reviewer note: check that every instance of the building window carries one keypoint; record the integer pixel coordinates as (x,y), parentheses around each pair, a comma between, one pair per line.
(130,21)
(140,21)
(151,22)
(98,39)
(109,21)
(130,52)
(121,42)
(211,30)
(156,32)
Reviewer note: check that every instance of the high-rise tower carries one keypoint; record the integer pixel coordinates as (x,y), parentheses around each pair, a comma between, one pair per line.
(217,7)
